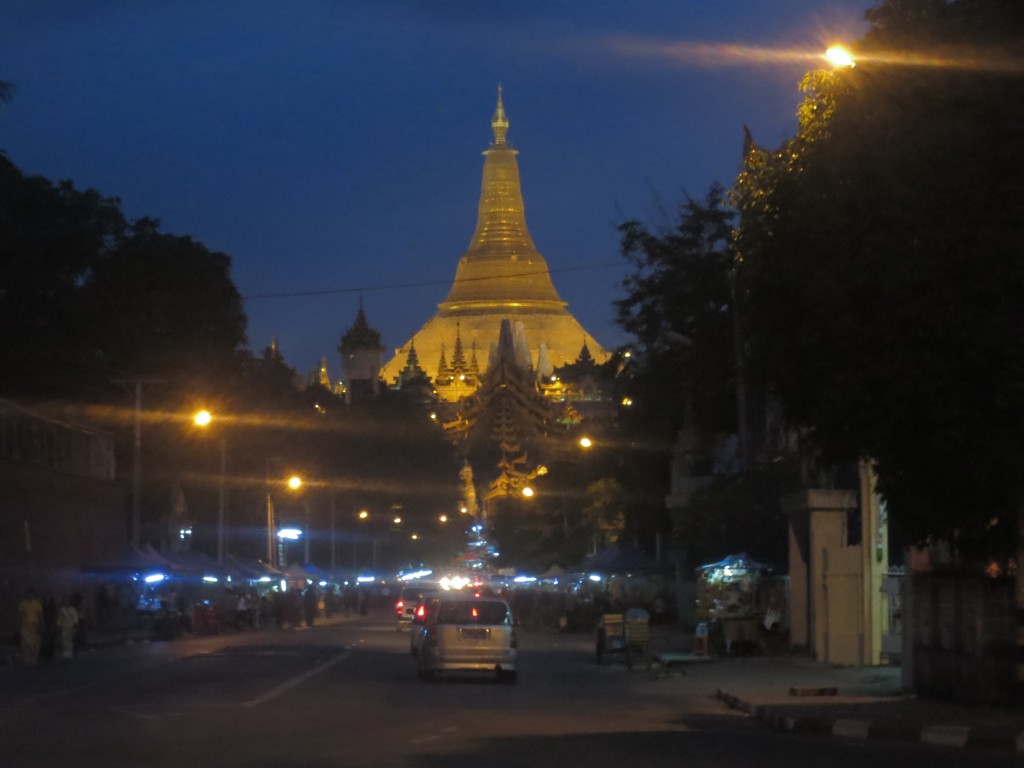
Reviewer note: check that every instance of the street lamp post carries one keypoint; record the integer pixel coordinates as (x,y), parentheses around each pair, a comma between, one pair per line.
(308,533)
(334,538)
(270,525)
(293,483)
(362,516)
(222,507)
(203,419)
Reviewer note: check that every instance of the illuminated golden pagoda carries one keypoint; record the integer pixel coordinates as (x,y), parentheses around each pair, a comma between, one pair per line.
(500,276)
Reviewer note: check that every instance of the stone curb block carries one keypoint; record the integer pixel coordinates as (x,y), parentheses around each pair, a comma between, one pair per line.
(939,735)
(945,735)
(851,729)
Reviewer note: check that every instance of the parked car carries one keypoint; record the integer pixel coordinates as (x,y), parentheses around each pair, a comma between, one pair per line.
(425,607)
(471,633)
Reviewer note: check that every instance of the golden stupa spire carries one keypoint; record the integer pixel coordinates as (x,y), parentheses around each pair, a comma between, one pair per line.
(502,265)
(499,123)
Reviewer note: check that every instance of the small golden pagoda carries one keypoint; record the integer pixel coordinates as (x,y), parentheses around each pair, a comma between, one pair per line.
(501,276)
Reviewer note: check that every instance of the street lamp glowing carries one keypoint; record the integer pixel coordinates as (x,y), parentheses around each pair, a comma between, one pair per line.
(295,482)
(586,442)
(839,57)
(397,520)
(363,514)
(202,418)
(443,518)
(528,492)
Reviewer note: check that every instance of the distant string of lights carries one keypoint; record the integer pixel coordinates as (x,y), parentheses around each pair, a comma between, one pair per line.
(428,284)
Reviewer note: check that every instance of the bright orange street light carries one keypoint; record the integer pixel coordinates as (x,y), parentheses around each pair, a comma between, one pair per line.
(295,482)
(839,57)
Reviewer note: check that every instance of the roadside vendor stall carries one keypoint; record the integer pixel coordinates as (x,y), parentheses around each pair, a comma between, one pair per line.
(739,603)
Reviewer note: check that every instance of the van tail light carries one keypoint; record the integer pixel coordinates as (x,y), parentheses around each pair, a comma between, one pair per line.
(398,607)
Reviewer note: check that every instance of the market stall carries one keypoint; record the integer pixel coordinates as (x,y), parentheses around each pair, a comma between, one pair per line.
(740,605)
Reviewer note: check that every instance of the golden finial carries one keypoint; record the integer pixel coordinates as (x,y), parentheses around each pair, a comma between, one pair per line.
(499,122)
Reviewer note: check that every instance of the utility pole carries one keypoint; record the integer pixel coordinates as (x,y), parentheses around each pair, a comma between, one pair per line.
(136,525)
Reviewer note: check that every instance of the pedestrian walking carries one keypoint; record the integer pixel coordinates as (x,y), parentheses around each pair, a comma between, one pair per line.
(293,608)
(242,611)
(30,623)
(310,604)
(67,624)
(48,629)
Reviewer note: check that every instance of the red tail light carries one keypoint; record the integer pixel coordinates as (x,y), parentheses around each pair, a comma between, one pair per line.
(421,612)
(399,606)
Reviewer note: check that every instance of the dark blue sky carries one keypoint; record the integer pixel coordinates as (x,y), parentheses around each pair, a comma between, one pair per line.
(335,147)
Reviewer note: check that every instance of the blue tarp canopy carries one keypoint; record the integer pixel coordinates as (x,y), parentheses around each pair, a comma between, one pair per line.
(736,563)
(615,559)
(317,574)
(132,559)
(250,569)
(194,564)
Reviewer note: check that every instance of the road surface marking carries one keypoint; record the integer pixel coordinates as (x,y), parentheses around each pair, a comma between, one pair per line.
(287,685)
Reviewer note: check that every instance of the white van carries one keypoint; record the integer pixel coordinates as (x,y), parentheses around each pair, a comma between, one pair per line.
(472,633)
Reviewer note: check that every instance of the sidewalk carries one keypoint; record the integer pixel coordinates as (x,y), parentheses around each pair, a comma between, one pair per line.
(796,694)
(113,636)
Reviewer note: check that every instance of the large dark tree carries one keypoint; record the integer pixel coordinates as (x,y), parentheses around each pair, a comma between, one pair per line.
(679,308)
(86,297)
(883,263)
(162,304)
(51,236)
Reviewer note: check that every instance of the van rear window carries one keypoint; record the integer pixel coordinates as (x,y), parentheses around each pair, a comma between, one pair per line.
(472,612)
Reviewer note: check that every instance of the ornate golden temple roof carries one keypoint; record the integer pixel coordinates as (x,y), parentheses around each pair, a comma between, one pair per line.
(501,275)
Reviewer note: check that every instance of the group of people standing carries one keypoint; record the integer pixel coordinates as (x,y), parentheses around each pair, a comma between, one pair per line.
(46,630)
(297,607)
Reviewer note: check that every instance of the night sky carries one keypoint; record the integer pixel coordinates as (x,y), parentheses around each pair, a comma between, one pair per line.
(333,148)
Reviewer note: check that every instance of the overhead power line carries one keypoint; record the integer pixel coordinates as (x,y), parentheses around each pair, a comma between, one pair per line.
(427,284)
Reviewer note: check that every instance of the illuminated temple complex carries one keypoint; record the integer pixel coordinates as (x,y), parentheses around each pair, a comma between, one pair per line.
(501,276)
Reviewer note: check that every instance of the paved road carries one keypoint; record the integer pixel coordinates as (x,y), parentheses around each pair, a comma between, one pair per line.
(346,694)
